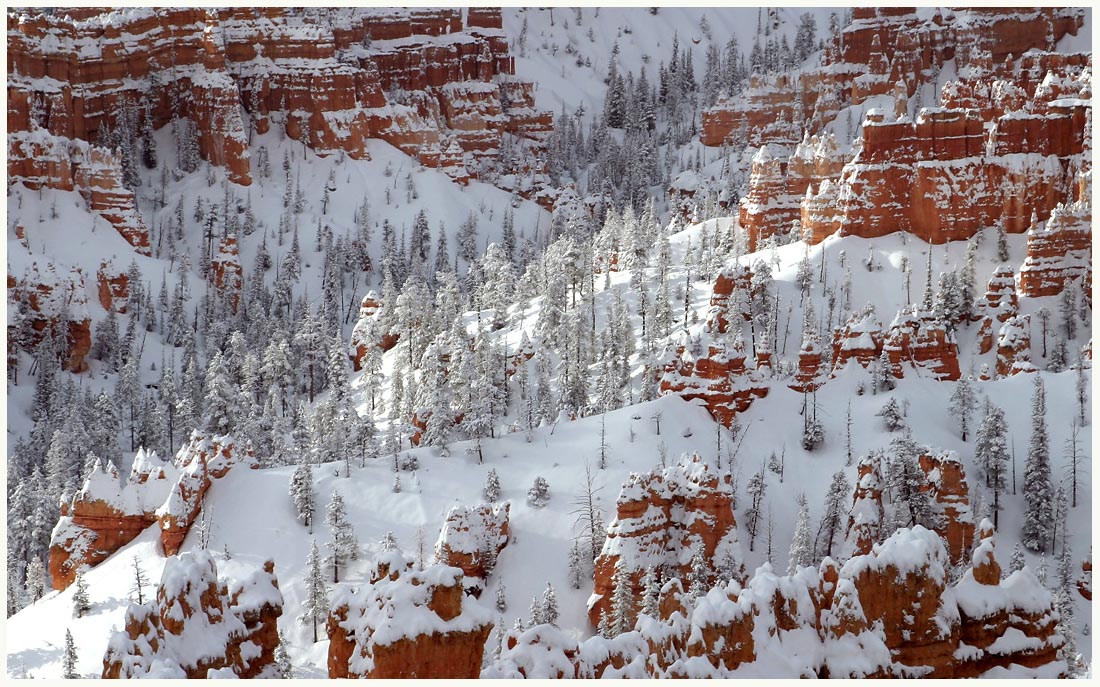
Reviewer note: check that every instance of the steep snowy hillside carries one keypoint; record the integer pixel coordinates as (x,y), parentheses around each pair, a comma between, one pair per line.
(549,342)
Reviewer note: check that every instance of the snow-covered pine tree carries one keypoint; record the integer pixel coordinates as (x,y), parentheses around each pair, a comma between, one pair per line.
(698,576)
(892,415)
(756,489)
(550,605)
(991,454)
(68,659)
(81,603)
(539,493)
(651,592)
(302,494)
(801,552)
(1038,488)
(832,515)
(962,404)
(315,604)
(284,669)
(622,601)
(576,572)
(344,546)
(501,601)
(35,586)
(491,492)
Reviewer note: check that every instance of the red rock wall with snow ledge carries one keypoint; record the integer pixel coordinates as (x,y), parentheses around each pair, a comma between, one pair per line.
(321,74)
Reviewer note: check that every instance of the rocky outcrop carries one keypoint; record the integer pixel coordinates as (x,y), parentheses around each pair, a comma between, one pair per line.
(200,461)
(59,304)
(859,340)
(865,519)
(1059,250)
(992,610)
(916,339)
(999,304)
(471,539)
(367,332)
(41,160)
(711,367)
(1014,347)
(810,376)
(950,492)
(200,626)
(226,273)
(114,288)
(888,613)
(1084,582)
(414,625)
(106,514)
(330,78)
(768,111)
(664,518)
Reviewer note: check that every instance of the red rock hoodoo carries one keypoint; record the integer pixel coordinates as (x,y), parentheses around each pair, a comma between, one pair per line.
(663,518)
(714,371)
(236,617)
(471,540)
(58,304)
(414,624)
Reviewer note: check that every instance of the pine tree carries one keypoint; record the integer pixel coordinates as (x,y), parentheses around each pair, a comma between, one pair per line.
(315,603)
(344,546)
(801,552)
(622,601)
(832,514)
(501,602)
(699,575)
(1038,489)
(962,404)
(756,489)
(284,669)
(35,586)
(491,492)
(1017,560)
(539,493)
(81,603)
(68,661)
(576,573)
(651,593)
(892,416)
(991,454)
(302,494)
(222,399)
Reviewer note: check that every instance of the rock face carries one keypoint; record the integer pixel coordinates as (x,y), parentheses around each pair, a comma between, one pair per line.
(1014,346)
(663,518)
(888,613)
(918,340)
(114,288)
(200,626)
(713,369)
(106,514)
(57,303)
(949,490)
(322,75)
(1058,251)
(226,273)
(867,515)
(471,540)
(412,625)
(367,332)
(859,340)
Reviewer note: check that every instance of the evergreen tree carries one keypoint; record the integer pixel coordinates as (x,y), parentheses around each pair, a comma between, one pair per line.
(301,492)
(651,593)
(699,582)
(801,552)
(35,586)
(1038,489)
(491,492)
(1017,560)
(539,493)
(549,605)
(501,601)
(991,454)
(222,399)
(832,514)
(892,416)
(756,489)
(315,603)
(283,667)
(622,601)
(68,661)
(81,603)
(344,546)
(576,573)
(962,404)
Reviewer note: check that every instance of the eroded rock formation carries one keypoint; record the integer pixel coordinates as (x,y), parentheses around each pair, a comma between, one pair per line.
(59,304)
(711,367)
(663,519)
(414,624)
(200,626)
(471,539)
